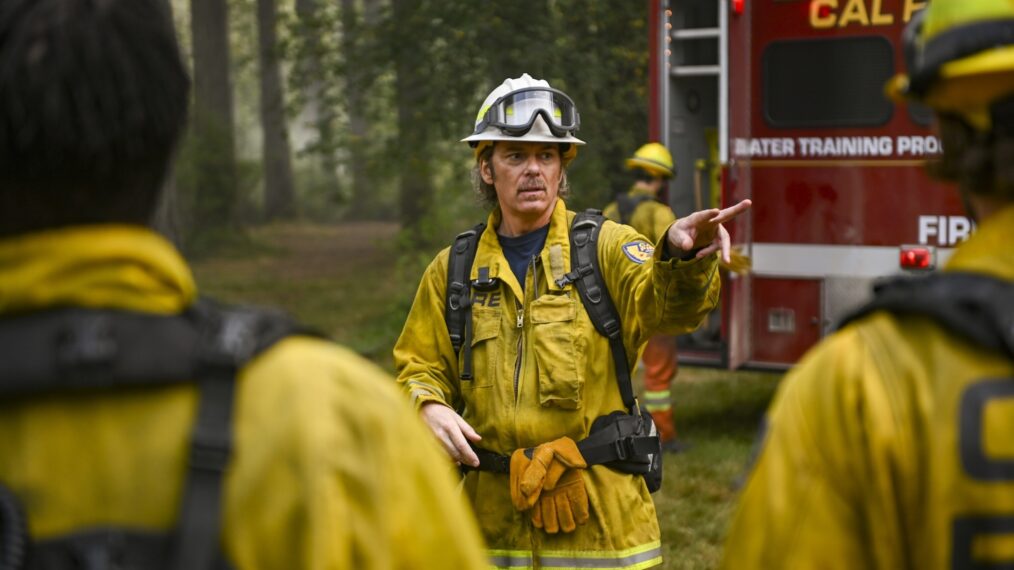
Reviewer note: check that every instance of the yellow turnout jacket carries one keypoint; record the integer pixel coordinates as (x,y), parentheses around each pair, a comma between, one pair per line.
(541,371)
(330,467)
(650,218)
(889,446)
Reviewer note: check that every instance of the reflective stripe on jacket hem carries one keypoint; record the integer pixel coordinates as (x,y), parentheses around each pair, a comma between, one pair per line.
(644,556)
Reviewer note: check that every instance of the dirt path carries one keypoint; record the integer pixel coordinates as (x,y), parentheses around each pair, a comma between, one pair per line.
(300,251)
(341,251)
(335,278)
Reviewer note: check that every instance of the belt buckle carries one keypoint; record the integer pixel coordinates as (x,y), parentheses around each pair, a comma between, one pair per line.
(621,449)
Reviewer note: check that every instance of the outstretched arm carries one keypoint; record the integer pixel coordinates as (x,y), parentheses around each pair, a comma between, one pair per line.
(703,231)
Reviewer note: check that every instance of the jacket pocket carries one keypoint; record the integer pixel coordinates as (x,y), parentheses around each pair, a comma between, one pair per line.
(485,349)
(554,336)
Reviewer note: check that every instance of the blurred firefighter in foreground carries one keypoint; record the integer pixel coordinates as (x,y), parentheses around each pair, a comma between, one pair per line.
(652,167)
(502,348)
(132,432)
(889,445)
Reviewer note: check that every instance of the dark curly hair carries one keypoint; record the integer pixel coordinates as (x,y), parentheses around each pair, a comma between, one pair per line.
(93,97)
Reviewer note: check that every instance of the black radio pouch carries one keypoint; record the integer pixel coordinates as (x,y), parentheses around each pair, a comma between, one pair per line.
(627,443)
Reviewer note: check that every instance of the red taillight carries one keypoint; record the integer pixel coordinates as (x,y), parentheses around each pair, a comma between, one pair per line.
(738,6)
(916,257)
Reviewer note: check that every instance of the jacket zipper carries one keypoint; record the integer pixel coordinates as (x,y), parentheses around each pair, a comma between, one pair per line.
(521,324)
(517,361)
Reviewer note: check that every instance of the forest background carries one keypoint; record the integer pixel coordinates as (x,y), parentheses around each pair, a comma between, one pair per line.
(330,110)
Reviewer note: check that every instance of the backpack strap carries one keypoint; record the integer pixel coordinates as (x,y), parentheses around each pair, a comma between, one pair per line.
(457,305)
(586,274)
(626,204)
(230,337)
(976,307)
(74,349)
(13,531)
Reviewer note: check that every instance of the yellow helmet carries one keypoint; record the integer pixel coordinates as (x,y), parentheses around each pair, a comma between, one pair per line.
(654,158)
(959,56)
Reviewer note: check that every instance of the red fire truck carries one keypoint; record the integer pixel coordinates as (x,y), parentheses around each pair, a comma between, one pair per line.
(781,101)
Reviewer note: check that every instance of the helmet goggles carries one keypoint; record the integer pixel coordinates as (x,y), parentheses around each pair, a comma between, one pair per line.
(515,113)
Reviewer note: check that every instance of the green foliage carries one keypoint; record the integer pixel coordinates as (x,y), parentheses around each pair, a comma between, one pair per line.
(450,54)
(595,51)
(205,182)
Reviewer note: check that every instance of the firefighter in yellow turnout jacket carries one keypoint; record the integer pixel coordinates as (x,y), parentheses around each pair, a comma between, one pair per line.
(541,374)
(329,466)
(889,445)
(652,166)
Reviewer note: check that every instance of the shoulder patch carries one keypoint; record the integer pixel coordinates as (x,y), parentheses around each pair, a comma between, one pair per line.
(638,251)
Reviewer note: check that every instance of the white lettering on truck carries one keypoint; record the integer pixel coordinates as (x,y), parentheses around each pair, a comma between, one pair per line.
(948,230)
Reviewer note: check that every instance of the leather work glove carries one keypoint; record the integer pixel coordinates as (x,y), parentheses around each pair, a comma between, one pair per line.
(563,507)
(548,463)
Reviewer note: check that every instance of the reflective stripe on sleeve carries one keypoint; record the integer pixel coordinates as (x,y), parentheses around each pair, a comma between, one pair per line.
(657,395)
(644,556)
(419,390)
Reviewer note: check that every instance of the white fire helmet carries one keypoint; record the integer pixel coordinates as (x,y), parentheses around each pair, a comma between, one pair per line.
(529,110)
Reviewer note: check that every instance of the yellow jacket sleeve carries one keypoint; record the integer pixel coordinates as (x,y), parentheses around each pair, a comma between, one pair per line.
(423,353)
(668,297)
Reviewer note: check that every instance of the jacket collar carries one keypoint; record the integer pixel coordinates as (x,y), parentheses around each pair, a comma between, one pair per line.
(555,254)
(101,266)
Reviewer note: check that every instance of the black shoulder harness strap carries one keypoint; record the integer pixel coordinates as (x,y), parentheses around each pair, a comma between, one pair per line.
(457,306)
(585,273)
(74,349)
(626,204)
(976,307)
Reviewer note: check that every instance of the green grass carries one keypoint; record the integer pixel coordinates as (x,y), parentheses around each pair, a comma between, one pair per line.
(718,412)
(346,281)
(350,282)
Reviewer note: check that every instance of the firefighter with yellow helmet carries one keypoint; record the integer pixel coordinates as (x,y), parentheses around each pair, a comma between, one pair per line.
(140,427)
(652,167)
(514,396)
(889,445)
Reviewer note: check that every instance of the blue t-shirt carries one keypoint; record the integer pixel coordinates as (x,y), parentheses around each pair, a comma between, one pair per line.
(520,250)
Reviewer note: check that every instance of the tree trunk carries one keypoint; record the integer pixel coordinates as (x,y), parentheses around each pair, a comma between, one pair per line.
(355,78)
(416,186)
(216,191)
(279,196)
(317,107)
(166,220)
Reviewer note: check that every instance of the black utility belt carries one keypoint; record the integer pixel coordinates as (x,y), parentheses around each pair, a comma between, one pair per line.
(624,442)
